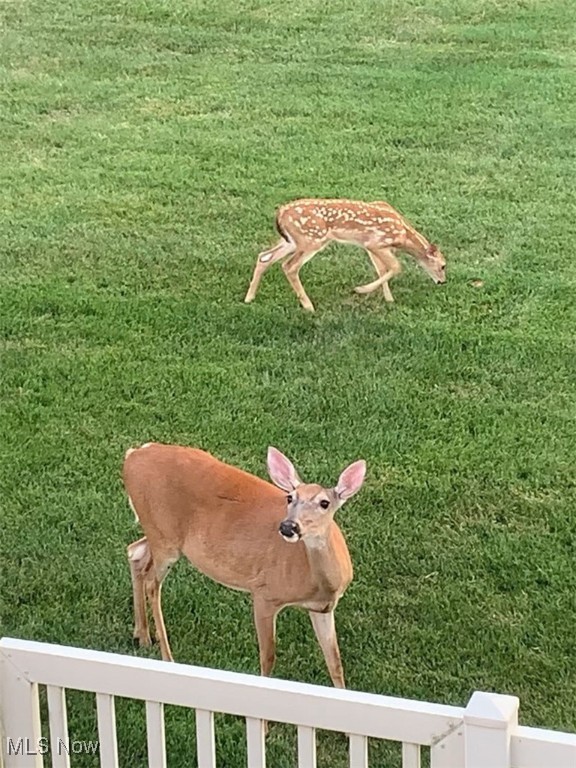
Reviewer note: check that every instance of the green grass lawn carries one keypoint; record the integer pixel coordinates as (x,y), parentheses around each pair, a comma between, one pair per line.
(146,145)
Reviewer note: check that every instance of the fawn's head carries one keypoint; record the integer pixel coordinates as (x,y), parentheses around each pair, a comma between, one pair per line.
(434,263)
(311,507)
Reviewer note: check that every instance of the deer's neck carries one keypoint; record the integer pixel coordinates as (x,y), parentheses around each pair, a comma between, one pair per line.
(327,566)
(416,244)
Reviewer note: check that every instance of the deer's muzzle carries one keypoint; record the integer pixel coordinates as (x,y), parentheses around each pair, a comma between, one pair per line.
(289,530)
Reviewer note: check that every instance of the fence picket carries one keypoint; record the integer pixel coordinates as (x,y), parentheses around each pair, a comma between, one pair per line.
(255,734)
(358,751)
(58,721)
(106,712)
(410,755)
(155,735)
(205,743)
(20,725)
(306,747)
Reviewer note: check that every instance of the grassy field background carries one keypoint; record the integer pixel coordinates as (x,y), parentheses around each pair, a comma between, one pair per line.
(145,148)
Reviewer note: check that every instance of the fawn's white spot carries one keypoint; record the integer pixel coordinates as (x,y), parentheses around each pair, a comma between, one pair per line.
(266,257)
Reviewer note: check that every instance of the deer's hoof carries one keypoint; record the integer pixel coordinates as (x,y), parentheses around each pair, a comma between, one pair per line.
(141,642)
(142,638)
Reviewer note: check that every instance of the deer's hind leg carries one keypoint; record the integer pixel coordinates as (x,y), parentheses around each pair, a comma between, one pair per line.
(154,594)
(148,569)
(139,559)
(266,259)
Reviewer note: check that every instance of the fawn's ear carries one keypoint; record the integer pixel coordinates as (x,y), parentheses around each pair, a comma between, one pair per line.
(281,470)
(350,481)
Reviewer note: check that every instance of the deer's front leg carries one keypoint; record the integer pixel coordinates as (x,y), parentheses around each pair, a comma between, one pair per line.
(291,269)
(265,260)
(265,621)
(391,264)
(325,630)
(381,271)
(387,267)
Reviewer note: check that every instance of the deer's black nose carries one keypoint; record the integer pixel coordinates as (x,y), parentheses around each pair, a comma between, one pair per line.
(289,528)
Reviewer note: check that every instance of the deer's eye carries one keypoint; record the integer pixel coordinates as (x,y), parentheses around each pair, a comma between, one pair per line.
(324,503)
(289,499)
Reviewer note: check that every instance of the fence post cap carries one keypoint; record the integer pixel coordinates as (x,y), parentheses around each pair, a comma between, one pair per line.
(491,710)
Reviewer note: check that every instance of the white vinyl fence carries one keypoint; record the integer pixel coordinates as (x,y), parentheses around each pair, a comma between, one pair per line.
(484,734)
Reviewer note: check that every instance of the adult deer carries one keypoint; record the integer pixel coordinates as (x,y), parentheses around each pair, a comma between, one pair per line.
(308,226)
(237,529)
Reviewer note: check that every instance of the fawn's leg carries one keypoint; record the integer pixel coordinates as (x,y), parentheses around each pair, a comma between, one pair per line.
(389,266)
(264,260)
(292,268)
(380,268)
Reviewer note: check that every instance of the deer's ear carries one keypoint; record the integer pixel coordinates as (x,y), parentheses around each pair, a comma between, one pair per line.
(281,470)
(350,481)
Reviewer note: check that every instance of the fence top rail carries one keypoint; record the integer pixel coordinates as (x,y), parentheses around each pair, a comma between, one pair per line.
(541,735)
(315,706)
(535,747)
